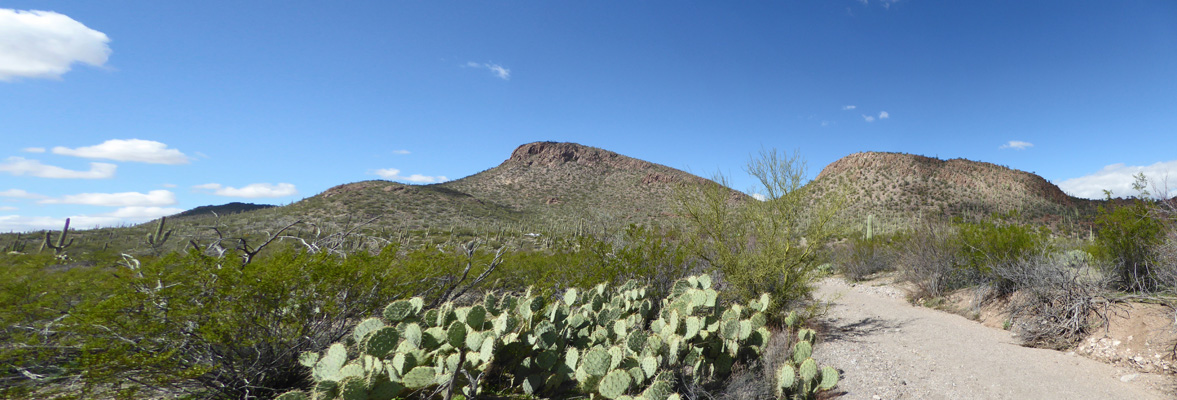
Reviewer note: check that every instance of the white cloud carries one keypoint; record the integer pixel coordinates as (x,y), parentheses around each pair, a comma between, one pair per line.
(1119,178)
(825,123)
(125,199)
(7,208)
(21,166)
(20,194)
(395,175)
(44,44)
(252,190)
(884,115)
(33,149)
(759,196)
(121,216)
(146,151)
(169,185)
(497,70)
(868,118)
(1017,145)
(849,107)
(401,152)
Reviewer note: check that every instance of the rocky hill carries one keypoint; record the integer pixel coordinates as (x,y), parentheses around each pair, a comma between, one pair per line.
(900,188)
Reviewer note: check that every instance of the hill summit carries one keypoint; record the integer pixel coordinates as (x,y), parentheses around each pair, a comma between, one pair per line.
(899,187)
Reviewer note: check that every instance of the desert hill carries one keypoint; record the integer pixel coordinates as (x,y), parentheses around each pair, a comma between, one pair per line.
(900,188)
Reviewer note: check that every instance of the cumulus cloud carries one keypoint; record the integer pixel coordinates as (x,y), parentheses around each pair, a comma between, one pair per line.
(125,199)
(145,151)
(33,149)
(401,152)
(44,44)
(497,70)
(252,190)
(395,175)
(849,107)
(1118,178)
(1017,145)
(759,196)
(884,115)
(868,118)
(20,194)
(20,166)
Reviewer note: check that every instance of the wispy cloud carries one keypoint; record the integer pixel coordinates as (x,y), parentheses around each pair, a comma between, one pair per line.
(849,107)
(253,190)
(7,208)
(145,151)
(401,152)
(20,194)
(868,118)
(126,199)
(1119,178)
(1017,145)
(44,44)
(497,70)
(33,149)
(394,174)
(20,166)
(884,115)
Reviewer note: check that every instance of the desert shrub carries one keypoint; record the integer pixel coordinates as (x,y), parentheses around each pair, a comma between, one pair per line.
(1059,299)
(859,258)
(757,246)
(929,259)
(1126,240)
(997,241)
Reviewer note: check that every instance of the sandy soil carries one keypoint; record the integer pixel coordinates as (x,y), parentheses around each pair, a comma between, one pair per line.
(889,349)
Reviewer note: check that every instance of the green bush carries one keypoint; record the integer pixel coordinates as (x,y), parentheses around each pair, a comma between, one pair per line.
(998,241)
(1126,240)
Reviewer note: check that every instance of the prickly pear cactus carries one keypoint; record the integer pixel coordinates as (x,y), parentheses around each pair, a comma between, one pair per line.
(615,343)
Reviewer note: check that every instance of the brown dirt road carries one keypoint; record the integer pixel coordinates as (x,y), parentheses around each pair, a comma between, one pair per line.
(889,349)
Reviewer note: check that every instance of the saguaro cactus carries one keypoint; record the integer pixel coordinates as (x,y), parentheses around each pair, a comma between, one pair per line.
(157,239)
(61,243)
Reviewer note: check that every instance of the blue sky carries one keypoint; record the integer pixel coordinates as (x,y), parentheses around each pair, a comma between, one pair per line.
(116,113)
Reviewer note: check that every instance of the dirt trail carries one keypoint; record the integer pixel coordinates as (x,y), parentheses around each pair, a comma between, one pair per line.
(889,349)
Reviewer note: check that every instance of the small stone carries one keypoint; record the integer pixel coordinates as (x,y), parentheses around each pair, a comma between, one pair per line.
(1129,377)
(876,397)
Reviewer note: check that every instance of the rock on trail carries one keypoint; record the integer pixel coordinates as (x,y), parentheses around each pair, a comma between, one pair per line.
(889,349)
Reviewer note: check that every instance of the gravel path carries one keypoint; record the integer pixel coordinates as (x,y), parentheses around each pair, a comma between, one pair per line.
(889,349)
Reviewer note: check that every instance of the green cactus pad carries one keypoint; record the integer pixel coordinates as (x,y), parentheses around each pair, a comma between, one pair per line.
(308,359)
(808,370)
(353,388)
(792,320)
(413,335)
(476,317)
(325,389)
(635,341)
(786,379)
(614,384)
(618,355)
(597,362)
(730,330)
(637,375)
(380,342)
(546,359)
(419,377)
(745,329)
(829,378)
(474,340)
(659,390)
(327,368)
(386,390)
(398,310)
(801,351)
(570,296)
(486,353)
(807,335)
(704,281)
(456,334)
